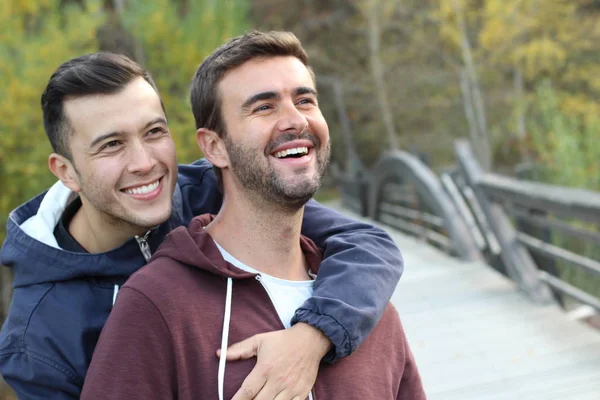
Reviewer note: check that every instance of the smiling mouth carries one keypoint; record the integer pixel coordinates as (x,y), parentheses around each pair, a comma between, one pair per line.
(145,189)
(295,152)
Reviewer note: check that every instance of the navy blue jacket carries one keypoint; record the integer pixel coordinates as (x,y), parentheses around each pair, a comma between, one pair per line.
(61,300)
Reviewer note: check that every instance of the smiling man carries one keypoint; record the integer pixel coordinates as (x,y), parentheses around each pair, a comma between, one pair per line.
(246,270)
(122,165)
(120,192)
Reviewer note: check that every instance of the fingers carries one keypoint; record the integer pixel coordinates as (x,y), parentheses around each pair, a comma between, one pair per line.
(286,396)
(286,367)
(251,386)
(298,398)
(243,350)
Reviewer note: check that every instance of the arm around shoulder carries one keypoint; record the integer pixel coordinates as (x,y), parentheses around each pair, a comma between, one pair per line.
(357,277)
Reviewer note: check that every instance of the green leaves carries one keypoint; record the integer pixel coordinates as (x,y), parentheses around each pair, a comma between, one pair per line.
(38,35)
(174,45)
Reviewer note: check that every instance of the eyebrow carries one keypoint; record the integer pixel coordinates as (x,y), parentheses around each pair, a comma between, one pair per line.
(258,97)
(274,95)
(305,90)
(110,135)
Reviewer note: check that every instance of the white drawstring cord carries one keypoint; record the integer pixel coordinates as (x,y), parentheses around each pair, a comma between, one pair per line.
(225,338)
(115,294)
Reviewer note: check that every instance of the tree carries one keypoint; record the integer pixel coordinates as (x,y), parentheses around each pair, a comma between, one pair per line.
(170,38)
(36,37)
(175,37)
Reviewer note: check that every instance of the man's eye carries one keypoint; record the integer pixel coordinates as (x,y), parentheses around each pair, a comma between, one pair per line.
(156,131)
(307,101)
(111,144)
(264,107)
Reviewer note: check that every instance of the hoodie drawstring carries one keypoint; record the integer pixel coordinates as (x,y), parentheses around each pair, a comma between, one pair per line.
(115,294)
(225,338)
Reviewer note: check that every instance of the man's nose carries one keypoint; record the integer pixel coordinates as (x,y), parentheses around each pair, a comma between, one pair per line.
(292,120)
(142,159)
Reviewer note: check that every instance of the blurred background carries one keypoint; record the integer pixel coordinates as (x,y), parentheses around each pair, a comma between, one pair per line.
(519,78)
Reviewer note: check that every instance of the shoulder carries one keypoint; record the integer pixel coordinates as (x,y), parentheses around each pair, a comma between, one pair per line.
(389,329)
(199,189)
(24,310)
(31,340)
(199,172)
(161,278)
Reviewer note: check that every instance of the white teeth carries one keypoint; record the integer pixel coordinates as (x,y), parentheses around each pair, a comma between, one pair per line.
(143,189)
(296,150)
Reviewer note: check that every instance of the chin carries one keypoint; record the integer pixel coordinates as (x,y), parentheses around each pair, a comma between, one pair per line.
(150,220)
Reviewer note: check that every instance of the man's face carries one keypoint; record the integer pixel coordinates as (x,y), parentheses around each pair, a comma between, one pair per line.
(276,137)
(123,156)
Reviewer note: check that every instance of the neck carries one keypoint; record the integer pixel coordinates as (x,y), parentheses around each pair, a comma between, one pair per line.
(97,234)
(261,236)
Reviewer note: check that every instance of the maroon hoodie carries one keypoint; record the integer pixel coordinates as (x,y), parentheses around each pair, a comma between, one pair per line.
(160,339)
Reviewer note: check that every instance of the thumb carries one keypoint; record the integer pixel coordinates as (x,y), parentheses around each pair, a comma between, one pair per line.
(243,350)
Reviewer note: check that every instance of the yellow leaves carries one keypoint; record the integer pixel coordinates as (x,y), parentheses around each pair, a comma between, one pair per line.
(447,17)
(21,7)
(27,60)
(539,56)
(580,105)
(175,46)
(536,36)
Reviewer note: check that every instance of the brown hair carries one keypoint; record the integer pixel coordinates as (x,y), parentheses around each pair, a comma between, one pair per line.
(204,97)
(97,73)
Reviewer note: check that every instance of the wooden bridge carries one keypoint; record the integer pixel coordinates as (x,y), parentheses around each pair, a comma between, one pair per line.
(501,283)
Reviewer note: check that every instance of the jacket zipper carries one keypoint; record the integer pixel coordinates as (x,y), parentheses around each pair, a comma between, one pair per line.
(259,278)
(144,246)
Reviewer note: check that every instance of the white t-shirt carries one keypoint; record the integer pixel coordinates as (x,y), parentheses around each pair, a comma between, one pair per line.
(286,295)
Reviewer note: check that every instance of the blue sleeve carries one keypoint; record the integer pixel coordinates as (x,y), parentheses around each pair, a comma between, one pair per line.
(356,279)
(199,189)
(34,377)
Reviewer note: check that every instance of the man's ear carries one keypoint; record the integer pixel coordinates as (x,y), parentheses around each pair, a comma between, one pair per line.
(64,170)
(213,147)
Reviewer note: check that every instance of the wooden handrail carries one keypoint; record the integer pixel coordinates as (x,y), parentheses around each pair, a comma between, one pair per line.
(404,167)
(515,257)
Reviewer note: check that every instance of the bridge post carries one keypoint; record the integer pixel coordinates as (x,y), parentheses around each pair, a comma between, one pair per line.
(517,260)
(406,166)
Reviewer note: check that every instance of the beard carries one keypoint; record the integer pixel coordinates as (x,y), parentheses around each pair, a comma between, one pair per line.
(256,174)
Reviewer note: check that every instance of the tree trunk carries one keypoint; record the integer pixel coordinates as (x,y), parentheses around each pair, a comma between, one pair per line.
(377,71)
(114,37)
(520,115)
(468,108)
(483,144)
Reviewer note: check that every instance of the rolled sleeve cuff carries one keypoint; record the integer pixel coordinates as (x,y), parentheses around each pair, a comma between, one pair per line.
(336,332)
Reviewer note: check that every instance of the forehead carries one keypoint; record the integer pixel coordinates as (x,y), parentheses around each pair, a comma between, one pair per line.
(282,74)
(124,111)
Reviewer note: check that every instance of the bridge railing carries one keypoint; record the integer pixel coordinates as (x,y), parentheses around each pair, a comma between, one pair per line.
(545,238)
(547,234)
(401,191)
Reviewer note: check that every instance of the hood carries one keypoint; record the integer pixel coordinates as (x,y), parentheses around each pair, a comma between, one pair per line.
(31,250)
(195,247)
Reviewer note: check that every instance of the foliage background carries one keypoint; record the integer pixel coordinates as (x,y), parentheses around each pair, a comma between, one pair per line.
(520,78)
(170,38)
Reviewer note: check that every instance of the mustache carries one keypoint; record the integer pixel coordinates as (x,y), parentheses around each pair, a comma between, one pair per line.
(290,137)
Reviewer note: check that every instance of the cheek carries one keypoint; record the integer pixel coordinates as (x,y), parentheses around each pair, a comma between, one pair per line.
(104,173)
(320,128)
(165,152)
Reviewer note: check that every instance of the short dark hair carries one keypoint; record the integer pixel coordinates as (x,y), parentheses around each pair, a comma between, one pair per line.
(204,97)
(97,73)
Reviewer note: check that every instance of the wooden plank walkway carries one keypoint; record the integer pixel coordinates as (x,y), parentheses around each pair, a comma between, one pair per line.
(475,337)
